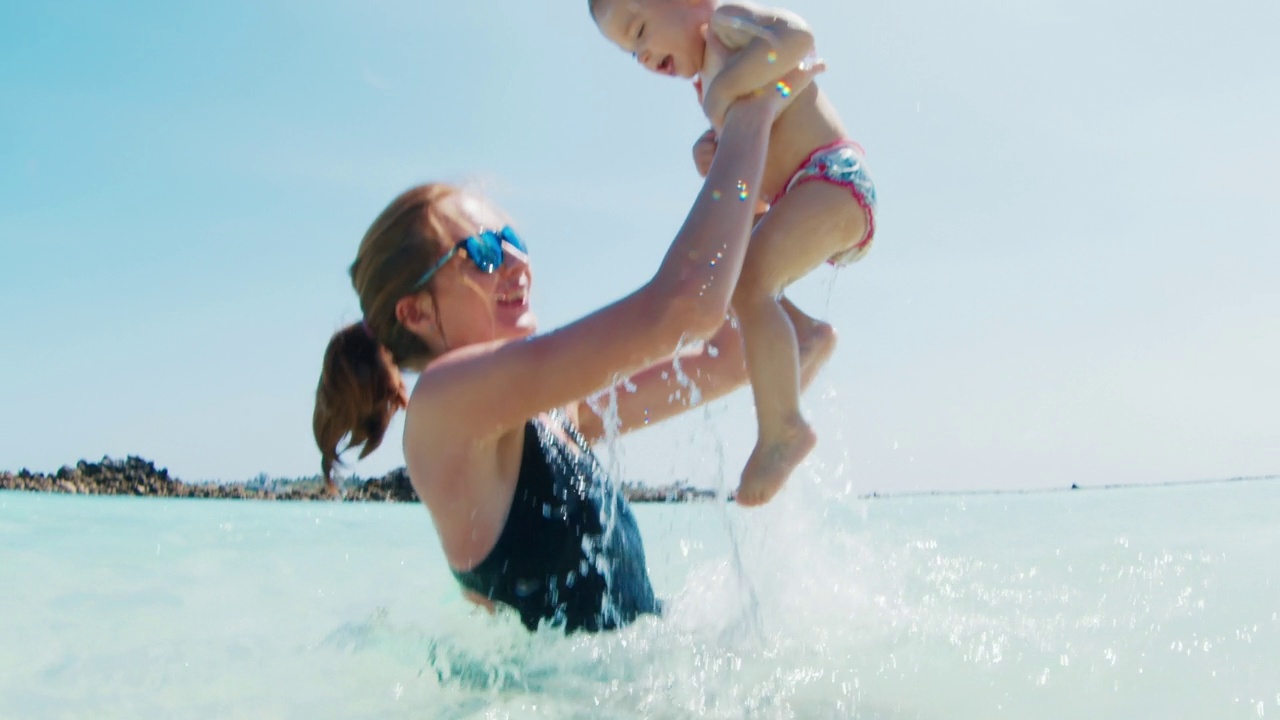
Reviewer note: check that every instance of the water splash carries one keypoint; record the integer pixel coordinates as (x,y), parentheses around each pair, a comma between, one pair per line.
(861,604)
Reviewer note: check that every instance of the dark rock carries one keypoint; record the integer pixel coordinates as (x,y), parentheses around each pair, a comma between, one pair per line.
(136,476)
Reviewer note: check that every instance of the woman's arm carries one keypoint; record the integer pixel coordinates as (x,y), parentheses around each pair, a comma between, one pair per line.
(479,391)
(680,384)
(774,42)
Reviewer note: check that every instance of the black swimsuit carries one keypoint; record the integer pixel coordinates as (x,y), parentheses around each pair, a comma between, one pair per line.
(570,552)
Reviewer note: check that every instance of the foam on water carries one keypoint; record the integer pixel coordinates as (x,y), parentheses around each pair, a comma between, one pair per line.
(1112,604)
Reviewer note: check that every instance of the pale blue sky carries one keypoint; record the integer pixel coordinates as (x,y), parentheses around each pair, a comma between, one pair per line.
(1076,279)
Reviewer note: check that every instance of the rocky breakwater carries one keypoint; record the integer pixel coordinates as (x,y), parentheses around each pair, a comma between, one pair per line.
(131,476)
(678,492)
(141,477)
(392,487)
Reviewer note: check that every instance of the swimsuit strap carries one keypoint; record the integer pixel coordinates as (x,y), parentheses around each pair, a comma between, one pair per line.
(562,419)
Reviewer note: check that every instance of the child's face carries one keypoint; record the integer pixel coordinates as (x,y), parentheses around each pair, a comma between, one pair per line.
(664,35)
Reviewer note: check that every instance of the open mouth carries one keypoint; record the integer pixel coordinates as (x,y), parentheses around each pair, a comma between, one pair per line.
(514,299)
(667,66)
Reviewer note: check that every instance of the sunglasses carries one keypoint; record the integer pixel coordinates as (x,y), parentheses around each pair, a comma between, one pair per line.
(484,249)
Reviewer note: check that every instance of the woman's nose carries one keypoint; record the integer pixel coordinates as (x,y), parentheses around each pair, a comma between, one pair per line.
(516,260)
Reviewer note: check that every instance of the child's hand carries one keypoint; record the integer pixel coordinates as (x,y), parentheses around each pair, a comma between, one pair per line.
(704,151)
(774,98)
(715,102)
(716,105)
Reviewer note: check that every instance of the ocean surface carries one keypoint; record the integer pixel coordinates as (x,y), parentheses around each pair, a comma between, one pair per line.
(1141,603)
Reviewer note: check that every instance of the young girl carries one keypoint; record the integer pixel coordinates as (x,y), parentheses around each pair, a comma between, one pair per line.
(823,201)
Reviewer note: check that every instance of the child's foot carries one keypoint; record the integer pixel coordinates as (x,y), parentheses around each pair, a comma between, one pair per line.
(772,462)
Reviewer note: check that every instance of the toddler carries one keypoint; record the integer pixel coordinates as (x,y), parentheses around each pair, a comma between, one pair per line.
(823,201)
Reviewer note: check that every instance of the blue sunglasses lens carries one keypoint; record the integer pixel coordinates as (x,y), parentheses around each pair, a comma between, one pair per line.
(485,252)
(510,236)
(485,249)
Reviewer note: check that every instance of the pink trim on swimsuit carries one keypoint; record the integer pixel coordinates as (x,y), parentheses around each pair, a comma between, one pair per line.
(809,170)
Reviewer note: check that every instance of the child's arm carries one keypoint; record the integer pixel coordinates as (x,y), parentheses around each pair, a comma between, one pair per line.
(773,42)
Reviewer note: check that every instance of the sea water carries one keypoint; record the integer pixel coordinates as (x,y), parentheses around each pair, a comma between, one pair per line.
(1127,603)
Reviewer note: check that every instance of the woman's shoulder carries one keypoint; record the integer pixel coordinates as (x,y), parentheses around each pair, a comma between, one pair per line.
(435,396)
(444,448)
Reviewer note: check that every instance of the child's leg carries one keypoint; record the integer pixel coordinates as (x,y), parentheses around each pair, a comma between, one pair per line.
(773,365)
(817,341)
(810,224)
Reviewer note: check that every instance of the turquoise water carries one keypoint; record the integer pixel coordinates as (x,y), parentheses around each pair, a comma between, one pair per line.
(1135,603)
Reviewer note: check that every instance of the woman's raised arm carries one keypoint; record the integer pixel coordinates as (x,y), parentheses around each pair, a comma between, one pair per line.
(483,389)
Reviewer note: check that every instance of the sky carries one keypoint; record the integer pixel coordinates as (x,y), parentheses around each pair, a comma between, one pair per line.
(1076,276)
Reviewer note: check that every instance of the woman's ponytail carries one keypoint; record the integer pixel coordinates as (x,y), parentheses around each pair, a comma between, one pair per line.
(360,390)
(360,384)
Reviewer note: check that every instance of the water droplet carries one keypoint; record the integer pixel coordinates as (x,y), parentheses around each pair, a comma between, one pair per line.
(715,194)
(783,89)
(742,191)
(772,57)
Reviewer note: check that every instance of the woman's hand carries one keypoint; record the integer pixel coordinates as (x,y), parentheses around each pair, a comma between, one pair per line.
(774,98)
(716,102)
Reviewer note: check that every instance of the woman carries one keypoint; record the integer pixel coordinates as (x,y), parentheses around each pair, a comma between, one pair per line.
(498,425)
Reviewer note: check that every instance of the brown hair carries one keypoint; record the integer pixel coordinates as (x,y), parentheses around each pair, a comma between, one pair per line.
(360,385)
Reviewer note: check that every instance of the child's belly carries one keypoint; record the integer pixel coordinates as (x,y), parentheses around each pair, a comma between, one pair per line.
(808,123)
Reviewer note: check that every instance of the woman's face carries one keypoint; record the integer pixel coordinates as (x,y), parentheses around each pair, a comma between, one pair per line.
(470,305)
